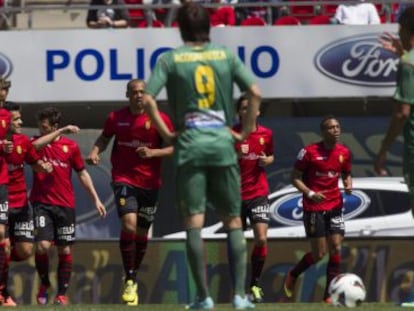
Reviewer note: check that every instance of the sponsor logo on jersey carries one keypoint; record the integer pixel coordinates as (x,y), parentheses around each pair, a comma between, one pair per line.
(288,209)
(261,141)
(358,60)
(244,148)
(6,66)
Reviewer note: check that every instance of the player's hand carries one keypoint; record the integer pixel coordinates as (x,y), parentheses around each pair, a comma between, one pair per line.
(93,159)
(238,137)
(379,167)
(318,197)
(144,152)
(391,43)
(101,209)
(70,129)
(7,146)
(264,160)
(47,167)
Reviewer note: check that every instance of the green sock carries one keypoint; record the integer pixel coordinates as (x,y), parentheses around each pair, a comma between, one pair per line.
(237,254)
(195,256)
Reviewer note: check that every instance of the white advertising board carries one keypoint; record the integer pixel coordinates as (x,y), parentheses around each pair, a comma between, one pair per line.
(288,62)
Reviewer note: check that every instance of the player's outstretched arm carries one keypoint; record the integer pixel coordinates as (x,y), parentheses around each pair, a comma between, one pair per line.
(44,140)
(87,183)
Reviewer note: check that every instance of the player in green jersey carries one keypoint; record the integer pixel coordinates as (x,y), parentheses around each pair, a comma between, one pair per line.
(199,78)
(402,118)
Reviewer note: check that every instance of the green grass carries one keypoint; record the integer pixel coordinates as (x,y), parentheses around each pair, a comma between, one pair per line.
(222,307)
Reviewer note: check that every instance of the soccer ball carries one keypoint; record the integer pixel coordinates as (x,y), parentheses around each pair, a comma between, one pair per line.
(347,290)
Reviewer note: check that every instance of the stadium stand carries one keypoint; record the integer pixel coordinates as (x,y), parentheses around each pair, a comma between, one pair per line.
(320,20)
(287,21)
(253,21)
(56,14)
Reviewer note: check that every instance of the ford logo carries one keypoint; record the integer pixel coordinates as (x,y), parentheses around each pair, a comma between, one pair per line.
(358,60)
(288,209)
(6,66)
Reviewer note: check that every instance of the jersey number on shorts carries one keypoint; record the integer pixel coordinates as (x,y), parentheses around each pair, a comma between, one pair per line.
(205,85)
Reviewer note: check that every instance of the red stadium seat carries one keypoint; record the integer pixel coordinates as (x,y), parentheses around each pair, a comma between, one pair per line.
(302,12)
(329,9)
(287,21)
(155,24)
(320,20)
(253,21)
(135,15)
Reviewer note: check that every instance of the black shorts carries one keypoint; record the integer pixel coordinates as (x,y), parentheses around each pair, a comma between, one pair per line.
(21,227)
(4,205)
(256,210)
(322,224)
(131,199)
(54,223)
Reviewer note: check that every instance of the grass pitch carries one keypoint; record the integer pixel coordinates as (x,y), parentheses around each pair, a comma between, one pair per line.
(219,307)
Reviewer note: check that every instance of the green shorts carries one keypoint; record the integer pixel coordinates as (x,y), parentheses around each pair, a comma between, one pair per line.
(197,185)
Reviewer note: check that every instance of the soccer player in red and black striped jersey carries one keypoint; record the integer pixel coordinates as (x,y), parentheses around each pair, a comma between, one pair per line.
(6,146)
(255,153)
(53,201)
(20,217)
(136,177)
(316,174)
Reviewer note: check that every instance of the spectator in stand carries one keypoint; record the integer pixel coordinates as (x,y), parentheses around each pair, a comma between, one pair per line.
(257,11)
(221,15)
(107,14)
(356,14)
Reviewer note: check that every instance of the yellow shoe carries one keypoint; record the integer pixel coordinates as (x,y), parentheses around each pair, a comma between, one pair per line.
(130,292)
(133,303)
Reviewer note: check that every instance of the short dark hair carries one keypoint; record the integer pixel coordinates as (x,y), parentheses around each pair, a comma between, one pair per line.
(406,19)
(194,22)
(133,81)
(11,106)
(4,84)
(50,113)
(326,118)
(242,98)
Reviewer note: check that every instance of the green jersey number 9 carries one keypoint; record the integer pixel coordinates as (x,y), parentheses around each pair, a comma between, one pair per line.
(205,85)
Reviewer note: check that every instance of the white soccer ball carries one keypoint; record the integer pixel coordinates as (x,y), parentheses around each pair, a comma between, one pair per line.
(347,290)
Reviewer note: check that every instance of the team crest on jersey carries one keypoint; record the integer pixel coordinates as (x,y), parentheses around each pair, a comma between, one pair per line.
(244,148)
(65,149)
(19,149)
(341,158)
(3,123)
(301,154)
(122,201)
(261,141)
(147,124)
